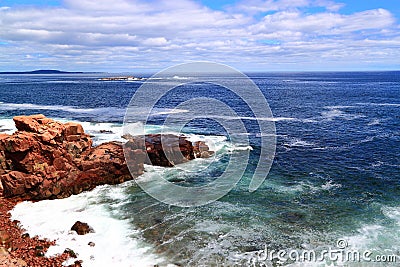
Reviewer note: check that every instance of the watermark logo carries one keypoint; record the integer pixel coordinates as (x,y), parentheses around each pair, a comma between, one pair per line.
(342,253)
(146,100)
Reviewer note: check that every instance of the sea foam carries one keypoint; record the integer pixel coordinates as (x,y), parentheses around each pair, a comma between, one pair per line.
(117,242)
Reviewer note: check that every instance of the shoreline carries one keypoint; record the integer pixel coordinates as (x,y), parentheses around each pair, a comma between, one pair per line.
(17,248)
(47,219)
(49,160)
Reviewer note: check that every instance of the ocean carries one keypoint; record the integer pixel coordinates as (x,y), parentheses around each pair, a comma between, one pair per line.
(334,182)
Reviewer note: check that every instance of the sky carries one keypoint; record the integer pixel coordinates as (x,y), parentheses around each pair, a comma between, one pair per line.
(252,35)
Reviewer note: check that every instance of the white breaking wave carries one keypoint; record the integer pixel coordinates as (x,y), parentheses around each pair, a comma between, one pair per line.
(296,142)
(117,243)
(25,106)
(274,119)
(379,237)
(380,104)
(330,185)
(103,132)
(339,107)
(176,77)
(335,112)
(382,237)
(302,186)
(7,126)
(135,113)
(374,122)
(116,112)
(63,81)
(170,111)
(308,81)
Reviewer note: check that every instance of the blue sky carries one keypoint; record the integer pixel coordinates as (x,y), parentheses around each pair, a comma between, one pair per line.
(350,5)
(252,35)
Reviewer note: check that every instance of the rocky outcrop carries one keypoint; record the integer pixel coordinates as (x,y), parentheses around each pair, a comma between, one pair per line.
(168,150)
(82,228)
(46,159)
(201,150)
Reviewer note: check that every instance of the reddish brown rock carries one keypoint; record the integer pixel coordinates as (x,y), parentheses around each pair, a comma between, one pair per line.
(17,183)
(104,164)
(201,150)
(82,228)
(161,150)
(46,159)
(168,150)
(31,123)
(73,128)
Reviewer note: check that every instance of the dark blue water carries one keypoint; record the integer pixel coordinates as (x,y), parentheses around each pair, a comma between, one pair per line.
(335,174)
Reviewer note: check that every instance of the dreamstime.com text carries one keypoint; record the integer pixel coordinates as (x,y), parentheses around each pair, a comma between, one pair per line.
(341,253)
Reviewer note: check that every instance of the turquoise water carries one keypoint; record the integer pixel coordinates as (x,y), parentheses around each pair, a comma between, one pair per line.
(335,174)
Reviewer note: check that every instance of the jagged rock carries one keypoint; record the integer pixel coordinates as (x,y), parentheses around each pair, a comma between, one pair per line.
(73,128)
(163,150)
(16,183)
(168,150)
(35,123)
(201,150)
(82,228)
(46,159)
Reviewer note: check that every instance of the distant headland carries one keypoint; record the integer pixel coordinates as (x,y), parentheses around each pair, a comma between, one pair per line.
(41,72)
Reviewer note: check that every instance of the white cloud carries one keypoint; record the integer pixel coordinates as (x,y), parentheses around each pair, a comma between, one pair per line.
(324,23)
(120,34)
(159,41)
(262,6)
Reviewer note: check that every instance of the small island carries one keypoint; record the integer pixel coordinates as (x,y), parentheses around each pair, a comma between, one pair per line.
(122,78)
